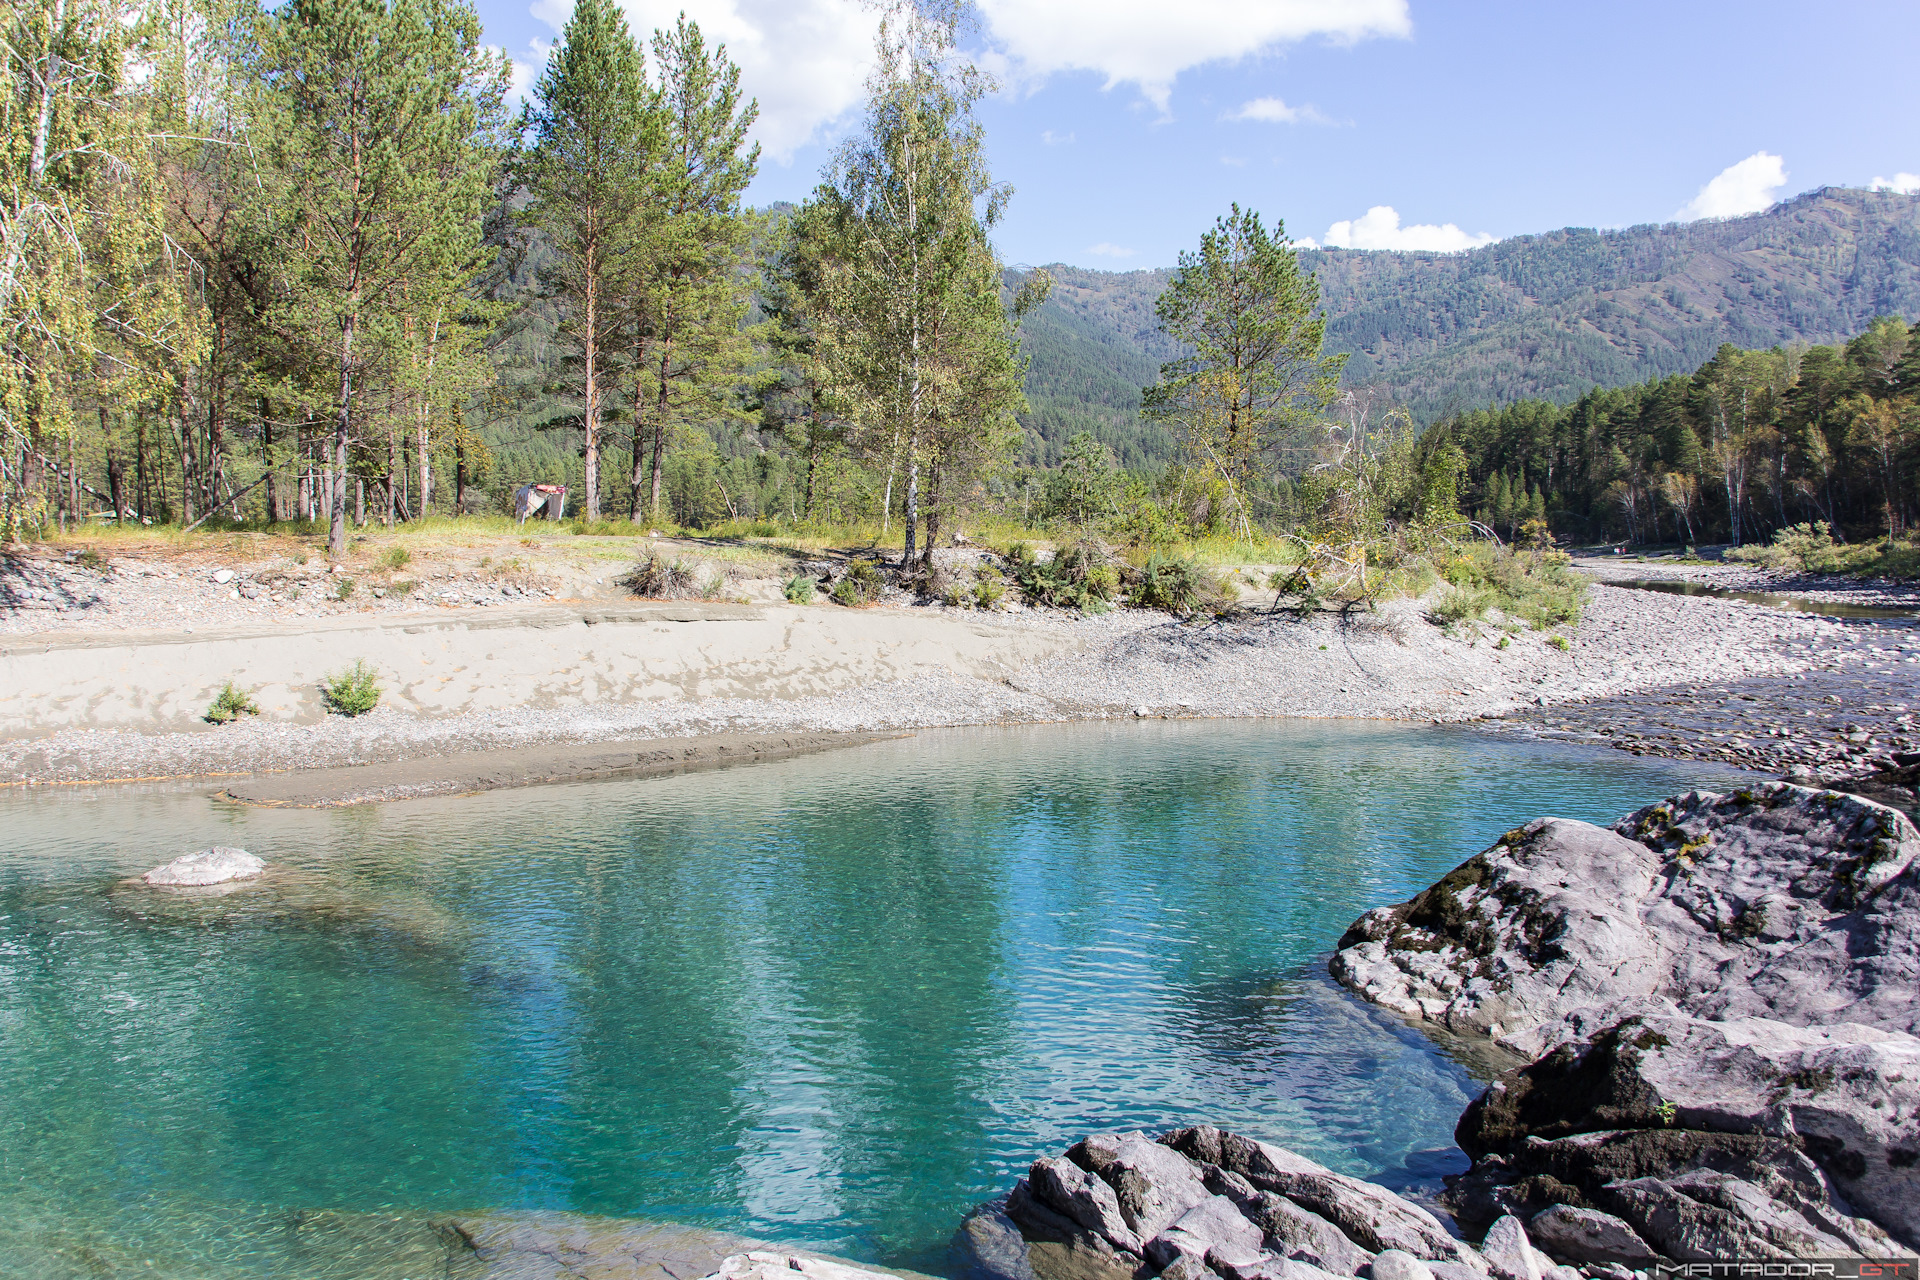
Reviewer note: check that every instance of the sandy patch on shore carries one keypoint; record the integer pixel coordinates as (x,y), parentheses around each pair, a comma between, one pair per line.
(122,707)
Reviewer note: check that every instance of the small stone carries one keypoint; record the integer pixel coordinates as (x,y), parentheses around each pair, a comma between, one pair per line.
(213,866)
(223,576)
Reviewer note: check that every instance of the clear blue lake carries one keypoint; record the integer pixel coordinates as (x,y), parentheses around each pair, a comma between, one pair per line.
(833,1001)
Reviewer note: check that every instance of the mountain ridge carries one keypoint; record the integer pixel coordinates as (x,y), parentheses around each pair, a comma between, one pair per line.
(1548,315)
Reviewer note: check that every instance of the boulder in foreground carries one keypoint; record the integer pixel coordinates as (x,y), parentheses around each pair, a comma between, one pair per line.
(1779,902)
(1719,995)
(1204,1204)
(212,866)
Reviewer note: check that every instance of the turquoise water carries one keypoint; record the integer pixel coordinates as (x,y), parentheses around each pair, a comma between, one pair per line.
(832,1001)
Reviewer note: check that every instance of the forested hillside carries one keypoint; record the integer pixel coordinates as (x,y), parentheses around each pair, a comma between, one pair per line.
(1547,316)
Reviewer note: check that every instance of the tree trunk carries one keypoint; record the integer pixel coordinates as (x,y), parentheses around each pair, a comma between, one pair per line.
(337,524)
(424,443)
(660,415)
(590,349)
(266,460)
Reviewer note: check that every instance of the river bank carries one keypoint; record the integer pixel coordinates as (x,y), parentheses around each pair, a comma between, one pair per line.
(101,706)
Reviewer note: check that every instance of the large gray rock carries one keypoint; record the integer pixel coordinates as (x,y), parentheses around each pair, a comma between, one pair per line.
(1151,1182)
(1197,1203)
(1588,1235)
(1086,1198)
(213,866)
(1719,995)
(1842,1100)
(1781,902)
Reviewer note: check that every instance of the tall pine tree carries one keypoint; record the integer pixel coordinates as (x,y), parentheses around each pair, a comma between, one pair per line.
(593,127)
(377,124)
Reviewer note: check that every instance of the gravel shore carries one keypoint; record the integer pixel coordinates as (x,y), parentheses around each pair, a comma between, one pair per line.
(1393,664)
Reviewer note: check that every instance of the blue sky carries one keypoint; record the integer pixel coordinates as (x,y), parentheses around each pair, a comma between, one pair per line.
(1126,126)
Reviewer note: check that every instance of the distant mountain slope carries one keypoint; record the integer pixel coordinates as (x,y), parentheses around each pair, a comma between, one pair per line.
(1545,315)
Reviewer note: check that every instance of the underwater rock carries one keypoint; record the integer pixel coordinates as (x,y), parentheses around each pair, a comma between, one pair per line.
(212,866)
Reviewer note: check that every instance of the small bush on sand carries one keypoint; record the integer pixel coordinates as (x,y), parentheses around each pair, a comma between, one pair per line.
(1534,587)
(231,705)
(91,560)
(657,578)
(396,558)
(861,584)
(353,691)
(343,589)
(799,589)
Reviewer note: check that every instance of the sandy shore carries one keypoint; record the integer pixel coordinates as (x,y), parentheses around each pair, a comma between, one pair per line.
(80,706)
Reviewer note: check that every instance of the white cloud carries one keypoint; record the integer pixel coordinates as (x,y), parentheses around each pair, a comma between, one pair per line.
(1275,111)
(521,73)
(1238,162)
(1747,187)
(1053,139)
(805,61)
(1379,228)
(1148,43)
(1105,250)
(1904,183)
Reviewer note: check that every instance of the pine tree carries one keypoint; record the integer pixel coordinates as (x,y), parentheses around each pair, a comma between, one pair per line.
(1250,318)
(688,287)
(594,126)
(377,125)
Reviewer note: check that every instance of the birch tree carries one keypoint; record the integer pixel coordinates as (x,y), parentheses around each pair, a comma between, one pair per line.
(913,198)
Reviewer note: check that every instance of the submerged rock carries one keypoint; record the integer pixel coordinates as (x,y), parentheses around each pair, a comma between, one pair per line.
(1718,995)
(213,866)
(1201,1202)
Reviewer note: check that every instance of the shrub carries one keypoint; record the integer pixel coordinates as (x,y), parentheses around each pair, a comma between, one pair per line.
(401,586)
(1080,576)
(657,578)
(343,588)
(988,586)
(396,558)
(1808,547)
(1534,587)
(230,706)
(1176,586)
(353,691)
(89,559)
(1560,642)
(861,584)
(799,589)
(1460,604)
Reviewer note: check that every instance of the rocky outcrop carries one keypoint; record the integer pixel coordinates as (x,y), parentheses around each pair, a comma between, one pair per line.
(1782,902)
(213,866)
(1203,1204)
(1720,998)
